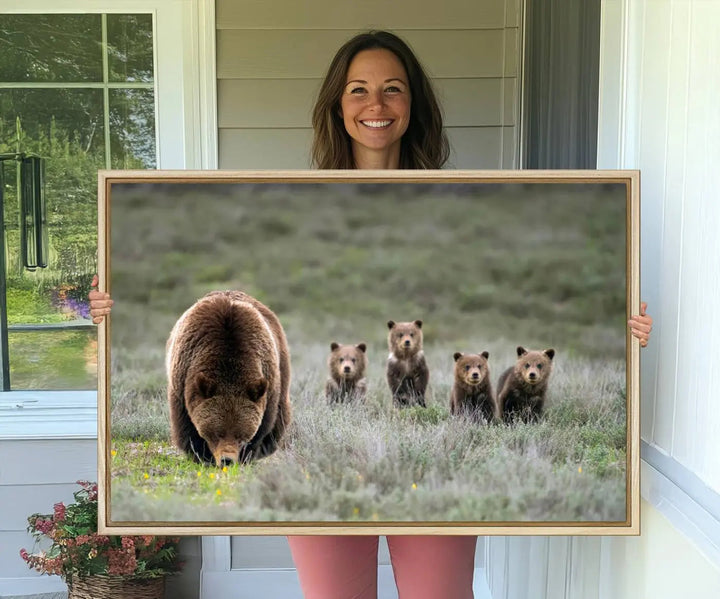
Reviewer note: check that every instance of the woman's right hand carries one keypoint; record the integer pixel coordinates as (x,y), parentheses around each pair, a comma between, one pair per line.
(100,302)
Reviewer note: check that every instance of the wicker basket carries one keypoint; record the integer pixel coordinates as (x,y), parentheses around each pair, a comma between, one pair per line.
(116,587)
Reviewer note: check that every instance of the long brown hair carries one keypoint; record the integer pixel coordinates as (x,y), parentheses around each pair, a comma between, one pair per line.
(424,145)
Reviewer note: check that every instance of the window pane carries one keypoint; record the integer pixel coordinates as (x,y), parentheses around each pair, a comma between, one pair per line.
(56,48)
(64,126)
(49,117)
(132,128)
(53,359)
(130,47)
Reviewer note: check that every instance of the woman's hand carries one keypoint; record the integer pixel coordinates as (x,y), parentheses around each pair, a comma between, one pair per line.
(100,303)
(641,325)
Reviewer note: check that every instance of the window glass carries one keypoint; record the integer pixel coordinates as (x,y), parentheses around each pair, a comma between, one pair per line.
(130,50)
(51,48)
(55,100)
(132,128)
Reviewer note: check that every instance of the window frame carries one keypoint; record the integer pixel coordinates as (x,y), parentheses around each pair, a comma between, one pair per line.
(186,138)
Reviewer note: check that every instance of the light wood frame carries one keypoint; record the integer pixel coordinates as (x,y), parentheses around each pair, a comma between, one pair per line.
(631,526)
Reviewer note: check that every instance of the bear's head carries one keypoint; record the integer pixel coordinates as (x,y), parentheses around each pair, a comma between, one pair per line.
(347,362)
(405,339)
(227,412)
(533,366)
(471,369)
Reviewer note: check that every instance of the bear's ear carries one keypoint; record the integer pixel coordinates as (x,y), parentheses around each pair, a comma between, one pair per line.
(550,353)
(362,347)
(205,387)
(334,345)
(418,324)
(485,354)
(257,390)
(391,324)
(521,351)
(457,355)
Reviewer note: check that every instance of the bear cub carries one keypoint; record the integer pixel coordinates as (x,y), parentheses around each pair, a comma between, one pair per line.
(472,391)
(228,369)
(407,372)
(522,387)
(347,364)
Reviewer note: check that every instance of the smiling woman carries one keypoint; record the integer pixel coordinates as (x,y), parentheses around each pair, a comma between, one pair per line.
(364,109)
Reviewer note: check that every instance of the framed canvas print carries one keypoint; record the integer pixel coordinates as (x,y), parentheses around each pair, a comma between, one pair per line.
(356,352)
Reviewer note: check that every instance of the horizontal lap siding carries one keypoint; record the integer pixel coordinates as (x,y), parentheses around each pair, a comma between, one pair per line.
(34,475)
(270,64)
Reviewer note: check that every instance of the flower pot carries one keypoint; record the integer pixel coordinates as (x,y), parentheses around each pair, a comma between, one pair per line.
(101,586)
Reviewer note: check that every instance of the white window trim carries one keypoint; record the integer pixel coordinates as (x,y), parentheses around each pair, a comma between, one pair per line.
(186,132)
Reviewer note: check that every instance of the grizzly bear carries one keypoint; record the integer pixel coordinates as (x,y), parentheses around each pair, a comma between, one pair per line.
(347,364)
(228,369)
(472,391)
(522,388)
(407,372)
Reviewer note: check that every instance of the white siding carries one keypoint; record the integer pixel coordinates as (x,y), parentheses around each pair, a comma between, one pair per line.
(34,475)
(671,131)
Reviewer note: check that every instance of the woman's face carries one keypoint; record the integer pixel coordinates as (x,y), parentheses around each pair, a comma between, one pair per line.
(375,103)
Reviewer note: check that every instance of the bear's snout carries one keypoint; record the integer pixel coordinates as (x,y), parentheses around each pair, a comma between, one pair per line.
(347,370)
(475,375)
(532,376)
(407,343)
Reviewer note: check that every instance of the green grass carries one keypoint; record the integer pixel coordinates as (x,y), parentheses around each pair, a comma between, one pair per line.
(370,461)
(486,268)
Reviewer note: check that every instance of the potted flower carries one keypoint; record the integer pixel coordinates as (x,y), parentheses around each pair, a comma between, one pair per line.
(99,566)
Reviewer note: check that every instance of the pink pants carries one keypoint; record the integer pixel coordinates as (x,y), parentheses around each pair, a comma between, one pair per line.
(345,567)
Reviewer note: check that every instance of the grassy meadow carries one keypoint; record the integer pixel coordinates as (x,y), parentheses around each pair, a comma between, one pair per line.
(486,267)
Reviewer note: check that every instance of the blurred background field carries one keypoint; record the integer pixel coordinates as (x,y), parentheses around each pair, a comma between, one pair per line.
(486,267)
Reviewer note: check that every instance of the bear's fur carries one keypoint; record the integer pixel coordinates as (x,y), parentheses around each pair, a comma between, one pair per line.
(522,387)
(347,364)
(472,391)
(407,372)
(228,369)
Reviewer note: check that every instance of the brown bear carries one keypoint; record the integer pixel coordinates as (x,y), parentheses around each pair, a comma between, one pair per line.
(407,372)
(347,364)
(522,388)
(472,391)
(228,369)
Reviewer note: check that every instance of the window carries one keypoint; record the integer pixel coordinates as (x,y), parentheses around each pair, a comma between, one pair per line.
(77,90)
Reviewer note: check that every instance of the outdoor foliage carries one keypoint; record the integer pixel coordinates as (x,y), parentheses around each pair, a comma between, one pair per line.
(77,550)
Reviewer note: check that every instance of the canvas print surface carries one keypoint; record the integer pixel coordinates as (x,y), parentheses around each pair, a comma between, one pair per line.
(427,352)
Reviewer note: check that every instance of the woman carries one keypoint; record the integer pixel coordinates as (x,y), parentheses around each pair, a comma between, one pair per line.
(377,110)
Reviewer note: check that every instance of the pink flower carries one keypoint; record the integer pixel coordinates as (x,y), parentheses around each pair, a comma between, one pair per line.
(121,562)
(128,543)
(59,510)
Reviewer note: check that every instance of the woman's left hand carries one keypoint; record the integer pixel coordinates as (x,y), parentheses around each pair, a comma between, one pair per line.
(641,325)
